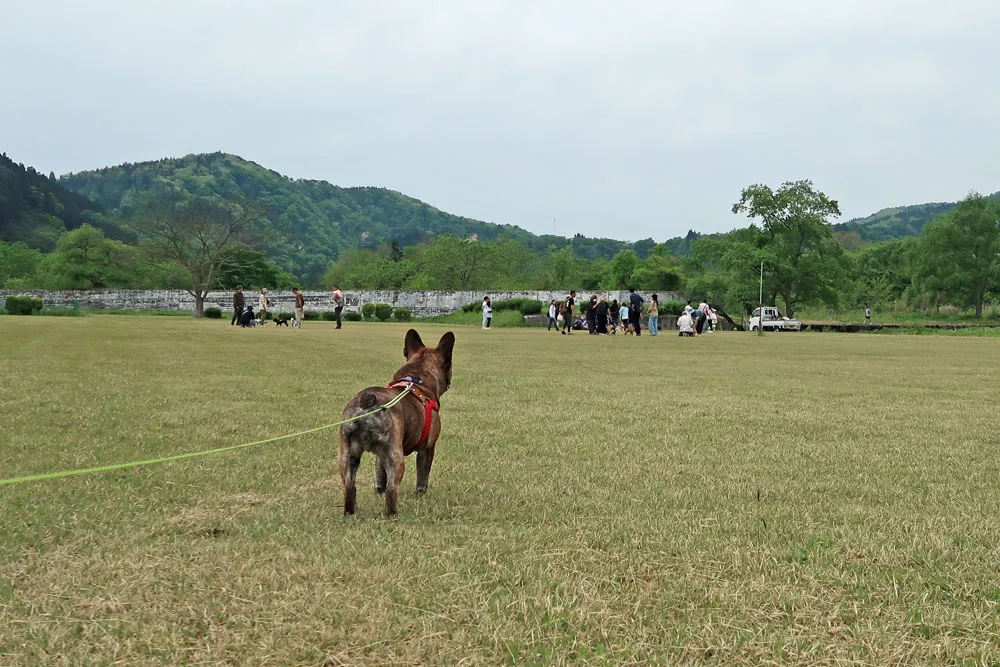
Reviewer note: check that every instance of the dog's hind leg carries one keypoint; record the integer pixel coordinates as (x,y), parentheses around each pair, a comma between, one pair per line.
(380,475)
(424,459)
(394,467)
(350,460)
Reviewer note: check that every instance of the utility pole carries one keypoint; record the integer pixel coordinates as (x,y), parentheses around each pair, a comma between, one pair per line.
(760,319)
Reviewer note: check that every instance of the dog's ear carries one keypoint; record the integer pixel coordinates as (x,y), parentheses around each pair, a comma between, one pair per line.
(446,345)
(412,345)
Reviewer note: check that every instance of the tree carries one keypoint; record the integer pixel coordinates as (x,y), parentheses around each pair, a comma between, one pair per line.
(724,270)
(960,251)
(201,234)
(250,268)
(805,262)
(561,268)
(17,261)
(86,258)
(458,264)
(623,265)
(659,271)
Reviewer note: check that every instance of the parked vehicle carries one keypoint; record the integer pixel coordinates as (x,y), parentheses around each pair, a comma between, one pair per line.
(772,320)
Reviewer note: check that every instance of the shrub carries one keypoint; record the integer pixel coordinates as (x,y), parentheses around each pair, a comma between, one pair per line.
(213,313)
(403,314)
(383,312)
(671,307)
(329,316)
(368,311)
(352,316)
(23,305)
(312,315)
(285,316)
(531,307)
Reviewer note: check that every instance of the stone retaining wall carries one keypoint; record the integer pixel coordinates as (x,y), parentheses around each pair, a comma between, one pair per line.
(423,304)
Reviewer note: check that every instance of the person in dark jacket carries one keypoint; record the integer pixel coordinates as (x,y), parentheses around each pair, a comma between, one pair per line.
(602,316)
(238,304)
(592,314)
(635,311)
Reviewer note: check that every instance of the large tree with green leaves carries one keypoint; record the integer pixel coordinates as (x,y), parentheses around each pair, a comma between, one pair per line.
(804,262)
(86,258)
(204,235)
(959,253)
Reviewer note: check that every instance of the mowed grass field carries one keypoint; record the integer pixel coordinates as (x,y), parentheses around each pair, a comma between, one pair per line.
(803,499)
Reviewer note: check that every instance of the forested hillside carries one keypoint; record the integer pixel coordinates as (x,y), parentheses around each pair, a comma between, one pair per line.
(313,221)
(37,210)
(899,222)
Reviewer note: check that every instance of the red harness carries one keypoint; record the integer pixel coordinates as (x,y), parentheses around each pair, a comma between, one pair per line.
(430,405)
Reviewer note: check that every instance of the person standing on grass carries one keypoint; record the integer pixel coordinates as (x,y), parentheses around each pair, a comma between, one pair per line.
(614,314)
(623,316)
(553,313)
(601,317)
(568,305)
(487,312)
(262,305)
(654,316)
(868,314)
(592,315)
(300,307)
(338,302)
(699,318)
(238,305)
(635,311)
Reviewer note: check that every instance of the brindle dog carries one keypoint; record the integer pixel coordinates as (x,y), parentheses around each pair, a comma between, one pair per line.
(399,431)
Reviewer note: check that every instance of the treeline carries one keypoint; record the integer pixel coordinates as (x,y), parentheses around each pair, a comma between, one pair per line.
(791,245)
(200,243)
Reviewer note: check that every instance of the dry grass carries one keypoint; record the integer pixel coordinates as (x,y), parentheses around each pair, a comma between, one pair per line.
(791,499)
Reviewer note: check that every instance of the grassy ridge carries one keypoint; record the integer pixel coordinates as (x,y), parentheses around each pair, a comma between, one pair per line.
(724,500)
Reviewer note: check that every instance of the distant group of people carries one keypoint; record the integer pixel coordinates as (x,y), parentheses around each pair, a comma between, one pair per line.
(696,321)
(602,318)
(244,315)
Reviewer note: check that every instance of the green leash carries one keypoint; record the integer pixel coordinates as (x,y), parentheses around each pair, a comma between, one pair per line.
(191,455)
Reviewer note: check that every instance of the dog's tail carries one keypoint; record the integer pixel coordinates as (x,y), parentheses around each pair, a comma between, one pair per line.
(367,401)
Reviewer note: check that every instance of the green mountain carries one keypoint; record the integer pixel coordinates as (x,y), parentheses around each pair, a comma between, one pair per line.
(896,223)
(38,210)
(313,221)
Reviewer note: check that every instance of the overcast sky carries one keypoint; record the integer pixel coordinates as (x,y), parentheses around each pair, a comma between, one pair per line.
(621,119)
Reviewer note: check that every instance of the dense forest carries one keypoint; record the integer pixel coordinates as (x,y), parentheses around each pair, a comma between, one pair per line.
(37,210)
(212,221)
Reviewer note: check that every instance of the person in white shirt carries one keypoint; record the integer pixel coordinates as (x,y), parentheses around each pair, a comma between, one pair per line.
(487,312)
(623,315)
(703,319)
(685,325)
(688,308)
(263,306)
(553,313)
